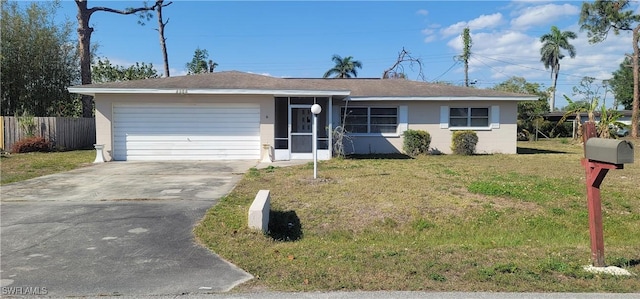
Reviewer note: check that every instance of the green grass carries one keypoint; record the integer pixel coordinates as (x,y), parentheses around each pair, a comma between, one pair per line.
(447,223)
(443,223)
(19,167)
(533,188)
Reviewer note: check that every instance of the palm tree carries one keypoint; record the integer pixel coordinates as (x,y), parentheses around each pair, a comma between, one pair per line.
(609,122)
(589,108)
(212,65)
(550,53)
(609,119)
(344,68)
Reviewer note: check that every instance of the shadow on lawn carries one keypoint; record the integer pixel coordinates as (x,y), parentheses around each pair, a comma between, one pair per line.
(284,226)
(378,156)
(534,151)
(624,262)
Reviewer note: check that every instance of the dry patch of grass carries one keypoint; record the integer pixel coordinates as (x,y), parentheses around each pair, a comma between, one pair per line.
(446,223)
(19,167)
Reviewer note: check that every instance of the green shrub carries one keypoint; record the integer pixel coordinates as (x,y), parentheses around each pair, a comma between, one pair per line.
(554,130)
(416,142)
(31,144)
(464,142)
(27,123)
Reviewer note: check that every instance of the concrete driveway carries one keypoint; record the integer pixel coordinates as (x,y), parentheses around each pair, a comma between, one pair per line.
(118,228)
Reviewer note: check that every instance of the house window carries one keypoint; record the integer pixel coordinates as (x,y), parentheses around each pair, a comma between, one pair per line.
(469,117)
(376,120)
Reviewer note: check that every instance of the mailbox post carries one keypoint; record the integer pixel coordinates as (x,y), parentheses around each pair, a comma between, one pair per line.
(601,155)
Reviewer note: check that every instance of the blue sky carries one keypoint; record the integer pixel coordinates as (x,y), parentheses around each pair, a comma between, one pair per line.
(298,38)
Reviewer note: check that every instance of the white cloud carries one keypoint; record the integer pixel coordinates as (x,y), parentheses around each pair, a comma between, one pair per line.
(596,60)
(479,23)
(454,29)
(543,14)
(430,34)
(428,31)
(264,74)
(502,54)
(496,43)
(422,12)
(531,1)
(176,72)
(504,48)
(486,21)
(429,39)
(498,56)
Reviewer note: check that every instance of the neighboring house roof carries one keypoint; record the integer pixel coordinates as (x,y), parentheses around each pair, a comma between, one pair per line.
(234,82)
(557,115)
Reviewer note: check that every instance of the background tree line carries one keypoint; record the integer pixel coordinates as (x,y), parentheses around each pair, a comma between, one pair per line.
(41,58)
(38,60)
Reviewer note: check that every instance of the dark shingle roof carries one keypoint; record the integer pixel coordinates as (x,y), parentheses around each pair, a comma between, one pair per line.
(357,87)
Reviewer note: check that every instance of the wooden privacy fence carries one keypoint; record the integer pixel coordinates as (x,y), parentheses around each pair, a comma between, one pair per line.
(64,133)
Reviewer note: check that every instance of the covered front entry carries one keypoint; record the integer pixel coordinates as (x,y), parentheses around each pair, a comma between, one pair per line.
(293,128)
(197,131)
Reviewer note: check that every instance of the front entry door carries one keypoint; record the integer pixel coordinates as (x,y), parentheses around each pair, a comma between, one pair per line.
(301,133)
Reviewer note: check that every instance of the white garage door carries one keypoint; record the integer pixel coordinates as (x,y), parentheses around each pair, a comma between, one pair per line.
(186,132)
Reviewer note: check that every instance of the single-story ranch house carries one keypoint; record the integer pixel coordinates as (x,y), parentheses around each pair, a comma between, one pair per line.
(236,115)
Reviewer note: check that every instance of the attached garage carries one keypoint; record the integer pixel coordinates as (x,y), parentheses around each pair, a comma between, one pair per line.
(154,131)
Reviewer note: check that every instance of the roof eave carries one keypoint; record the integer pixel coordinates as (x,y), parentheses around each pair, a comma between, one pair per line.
(183,91)
(442,98)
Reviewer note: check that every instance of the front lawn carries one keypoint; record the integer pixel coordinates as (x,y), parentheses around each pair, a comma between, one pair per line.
(443,223)
(19,167)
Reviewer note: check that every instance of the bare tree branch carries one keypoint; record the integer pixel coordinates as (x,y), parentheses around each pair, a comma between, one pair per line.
(84,42)
(396,71)
(128,11)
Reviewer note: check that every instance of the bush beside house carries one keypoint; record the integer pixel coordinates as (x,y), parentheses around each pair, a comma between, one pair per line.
(464,142)
(31,144)
(416,142)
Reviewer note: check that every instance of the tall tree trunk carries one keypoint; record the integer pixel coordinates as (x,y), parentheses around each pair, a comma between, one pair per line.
(466,73)
(163,44)
(552,103)
(84,44)
(636,88)
(466,54)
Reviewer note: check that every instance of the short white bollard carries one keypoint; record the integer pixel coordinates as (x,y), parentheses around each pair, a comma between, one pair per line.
(99,153)
(259,211)
(267,153)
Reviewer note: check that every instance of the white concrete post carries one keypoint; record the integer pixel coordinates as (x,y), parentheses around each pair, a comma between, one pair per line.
(99,153)
(259,211)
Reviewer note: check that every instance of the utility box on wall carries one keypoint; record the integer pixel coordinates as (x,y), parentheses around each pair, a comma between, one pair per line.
(611,151)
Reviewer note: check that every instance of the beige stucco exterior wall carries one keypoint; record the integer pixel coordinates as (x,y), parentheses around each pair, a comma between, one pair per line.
(426,116)
(104,129)
(104,112)
(423,115)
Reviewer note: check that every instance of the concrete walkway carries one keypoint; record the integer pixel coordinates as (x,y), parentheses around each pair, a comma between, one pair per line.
(133,181)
